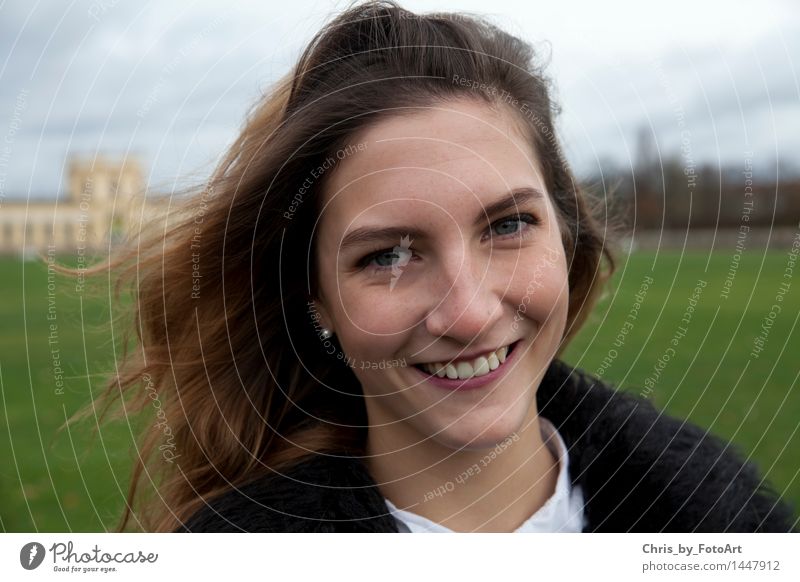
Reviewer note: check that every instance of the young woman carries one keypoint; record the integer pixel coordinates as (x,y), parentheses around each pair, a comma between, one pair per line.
(356,325)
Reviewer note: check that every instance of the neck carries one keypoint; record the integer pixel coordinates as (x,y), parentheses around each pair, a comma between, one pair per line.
(488,490)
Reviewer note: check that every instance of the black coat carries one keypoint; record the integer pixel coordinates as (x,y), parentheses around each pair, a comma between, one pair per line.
(640,470)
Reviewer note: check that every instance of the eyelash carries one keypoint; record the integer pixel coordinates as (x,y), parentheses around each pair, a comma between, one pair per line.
(529,219)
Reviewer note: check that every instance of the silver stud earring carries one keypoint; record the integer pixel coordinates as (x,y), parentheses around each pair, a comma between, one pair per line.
(326,333)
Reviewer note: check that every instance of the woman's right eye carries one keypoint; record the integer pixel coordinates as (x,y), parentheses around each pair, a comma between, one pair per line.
(386,259)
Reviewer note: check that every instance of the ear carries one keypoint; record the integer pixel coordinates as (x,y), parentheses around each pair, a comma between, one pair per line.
(321,314)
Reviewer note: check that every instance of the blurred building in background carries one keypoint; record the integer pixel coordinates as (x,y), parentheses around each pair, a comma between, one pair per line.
(106,201)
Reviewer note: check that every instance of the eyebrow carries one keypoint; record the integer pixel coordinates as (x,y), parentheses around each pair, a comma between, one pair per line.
(366,234)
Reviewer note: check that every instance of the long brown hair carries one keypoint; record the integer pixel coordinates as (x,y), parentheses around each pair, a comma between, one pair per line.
(225,340)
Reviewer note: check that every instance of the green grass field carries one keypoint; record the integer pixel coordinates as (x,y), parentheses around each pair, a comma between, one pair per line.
(69,481)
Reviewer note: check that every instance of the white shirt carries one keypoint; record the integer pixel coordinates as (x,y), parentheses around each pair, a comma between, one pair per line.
(563,512)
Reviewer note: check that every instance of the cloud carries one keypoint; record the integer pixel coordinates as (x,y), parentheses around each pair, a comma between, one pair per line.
(173,82)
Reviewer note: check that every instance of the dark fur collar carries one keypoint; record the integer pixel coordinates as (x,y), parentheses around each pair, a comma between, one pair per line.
(639,470)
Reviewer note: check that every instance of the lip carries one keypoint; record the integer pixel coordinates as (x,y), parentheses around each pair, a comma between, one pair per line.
(472,383)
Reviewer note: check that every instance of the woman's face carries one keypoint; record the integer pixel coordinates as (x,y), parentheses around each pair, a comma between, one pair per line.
(448,281)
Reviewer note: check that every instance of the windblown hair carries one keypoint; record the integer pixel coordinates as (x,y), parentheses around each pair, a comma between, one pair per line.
(236,362)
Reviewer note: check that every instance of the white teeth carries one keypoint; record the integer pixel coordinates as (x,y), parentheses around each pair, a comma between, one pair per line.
(481,366)
(464,370)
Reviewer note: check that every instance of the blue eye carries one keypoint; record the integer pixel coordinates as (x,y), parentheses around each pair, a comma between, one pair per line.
(398,257)
(520,219)
(394,258)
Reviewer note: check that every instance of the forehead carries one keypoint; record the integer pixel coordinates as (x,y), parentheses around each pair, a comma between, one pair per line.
(449,157)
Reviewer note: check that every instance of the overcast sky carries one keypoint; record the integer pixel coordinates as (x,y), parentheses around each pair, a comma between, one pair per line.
(171,81)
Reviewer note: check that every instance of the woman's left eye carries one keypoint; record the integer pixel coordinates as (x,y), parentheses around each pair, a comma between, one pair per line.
(522,219)
(399,256)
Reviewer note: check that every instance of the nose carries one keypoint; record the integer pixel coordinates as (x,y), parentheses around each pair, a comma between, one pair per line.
(464,305)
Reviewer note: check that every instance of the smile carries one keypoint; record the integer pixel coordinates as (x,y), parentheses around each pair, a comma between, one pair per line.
(480,366)
(480,370)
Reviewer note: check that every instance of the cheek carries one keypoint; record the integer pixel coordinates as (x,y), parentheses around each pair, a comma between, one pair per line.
(374,310)
(372,325)
(540,288)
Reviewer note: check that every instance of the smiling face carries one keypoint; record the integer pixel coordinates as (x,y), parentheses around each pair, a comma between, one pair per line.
(451,278)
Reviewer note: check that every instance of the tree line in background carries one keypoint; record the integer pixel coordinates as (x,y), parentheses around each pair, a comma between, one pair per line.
(658,192)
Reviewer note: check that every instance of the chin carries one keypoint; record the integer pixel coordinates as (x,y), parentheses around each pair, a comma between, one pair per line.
(472,437)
